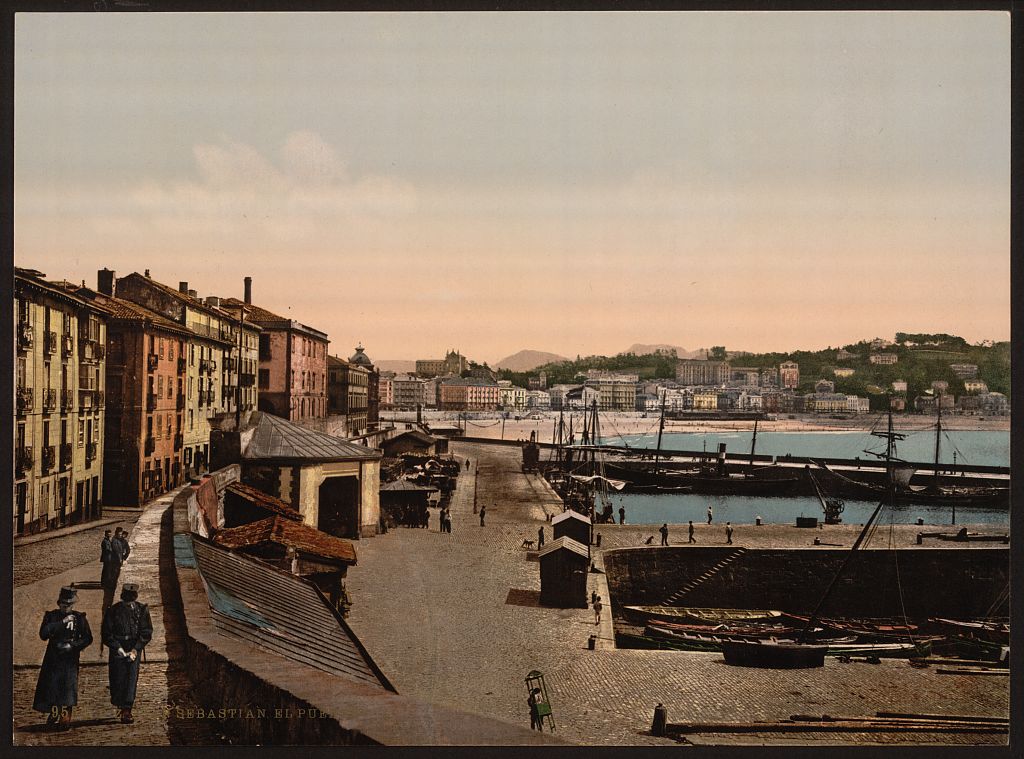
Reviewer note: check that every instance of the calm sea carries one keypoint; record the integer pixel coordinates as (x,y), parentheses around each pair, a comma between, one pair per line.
(982,448)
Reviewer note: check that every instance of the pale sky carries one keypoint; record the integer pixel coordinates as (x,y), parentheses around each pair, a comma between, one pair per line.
(566,182)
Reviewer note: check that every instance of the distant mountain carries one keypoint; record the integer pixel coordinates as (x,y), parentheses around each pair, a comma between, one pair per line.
(526,361)
(640,350)
(397,366)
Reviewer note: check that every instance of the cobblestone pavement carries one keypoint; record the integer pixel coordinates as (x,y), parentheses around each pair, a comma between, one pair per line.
(455,619)
(162,680)
(46,558)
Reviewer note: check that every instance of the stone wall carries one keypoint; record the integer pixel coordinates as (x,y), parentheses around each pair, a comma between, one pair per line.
(952,582)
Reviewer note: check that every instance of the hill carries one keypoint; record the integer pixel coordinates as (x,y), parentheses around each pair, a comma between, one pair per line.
(641,349)
(527,360)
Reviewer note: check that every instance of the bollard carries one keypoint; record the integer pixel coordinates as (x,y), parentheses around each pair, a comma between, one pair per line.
(920,538)
(757,521)
(660,720)
(920,521)
(592,642)
(598,540)
(817,541)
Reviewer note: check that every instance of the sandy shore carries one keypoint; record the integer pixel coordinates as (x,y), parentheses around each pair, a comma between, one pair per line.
(492,426)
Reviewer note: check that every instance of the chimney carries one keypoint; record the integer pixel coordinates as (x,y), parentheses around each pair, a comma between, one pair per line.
(105,281)
(248,291)
(193,294)
(147,274)
(183,287)
(212,300)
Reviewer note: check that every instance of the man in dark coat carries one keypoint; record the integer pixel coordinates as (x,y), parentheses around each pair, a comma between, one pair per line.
(110,557)
(67,633)
(127,628)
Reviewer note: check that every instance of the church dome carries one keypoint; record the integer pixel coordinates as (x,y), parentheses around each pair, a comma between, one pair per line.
(361,358)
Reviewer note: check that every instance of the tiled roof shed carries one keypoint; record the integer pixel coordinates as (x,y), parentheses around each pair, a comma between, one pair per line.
(264,501)
(277,611)
(274,438)
(288,533)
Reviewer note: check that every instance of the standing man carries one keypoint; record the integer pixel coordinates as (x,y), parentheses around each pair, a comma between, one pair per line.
(709,515)
(120,544)
(690,531)
(67,633)
(728,533)
(540,538)
(533,701)
(597,611)
(127,628)
(664,534)
(622,515)
(483,513)
(110,556)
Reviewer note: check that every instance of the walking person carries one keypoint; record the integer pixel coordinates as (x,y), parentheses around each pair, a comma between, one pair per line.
(622,515)
(483,513)
(111,556)
(120,544)
(664,534)
(728,533)
(66,633)
(690,531)
(127,628)
(598,606)
(709,515)
(540,538)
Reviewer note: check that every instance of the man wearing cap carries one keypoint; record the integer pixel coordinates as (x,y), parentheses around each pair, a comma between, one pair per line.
(110,557)
(67,633)
(127,628)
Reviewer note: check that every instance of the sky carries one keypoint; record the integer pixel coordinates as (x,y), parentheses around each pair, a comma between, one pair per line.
(565,182)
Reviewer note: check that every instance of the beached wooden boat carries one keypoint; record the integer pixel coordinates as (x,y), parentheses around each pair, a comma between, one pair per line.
(774,654)
(703,615)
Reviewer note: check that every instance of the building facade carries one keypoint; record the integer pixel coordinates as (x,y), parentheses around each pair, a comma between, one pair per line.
(468,394)
(348,393)
(513,398)
(453,363)
(60,404)
(614,394)
(408,392)
(359,358)
(883,359)
(693,372)
(789,375)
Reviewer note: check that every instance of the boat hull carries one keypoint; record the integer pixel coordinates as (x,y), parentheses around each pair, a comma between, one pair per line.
(773,655)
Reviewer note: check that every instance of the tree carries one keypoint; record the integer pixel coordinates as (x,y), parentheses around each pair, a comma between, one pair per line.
(717,353)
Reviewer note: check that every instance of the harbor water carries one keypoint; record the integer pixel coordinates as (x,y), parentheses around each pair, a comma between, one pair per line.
(971,447)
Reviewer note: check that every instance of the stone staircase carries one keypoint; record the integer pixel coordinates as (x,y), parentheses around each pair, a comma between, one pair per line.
(675,598)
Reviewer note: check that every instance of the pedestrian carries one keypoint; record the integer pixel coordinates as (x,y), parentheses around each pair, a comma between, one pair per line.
(534,702)
(127,628)
(425,518)
(664,534)
(709,515)
(690,530)
(120,544)
(111,557)
(540,538)
(597,611)
(728,533)
(622,515)
(594,597)
(66,633)
(483,513)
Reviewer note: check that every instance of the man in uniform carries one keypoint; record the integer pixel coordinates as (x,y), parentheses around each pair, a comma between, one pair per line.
(127,628)
(67,633)
(111,557)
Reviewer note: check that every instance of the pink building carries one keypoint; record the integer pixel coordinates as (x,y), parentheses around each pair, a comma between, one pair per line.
(469,394)
(292,366)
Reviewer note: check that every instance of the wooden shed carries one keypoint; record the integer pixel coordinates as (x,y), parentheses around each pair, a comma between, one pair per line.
(405,503)
(571,524)
(414,441)
(563,574)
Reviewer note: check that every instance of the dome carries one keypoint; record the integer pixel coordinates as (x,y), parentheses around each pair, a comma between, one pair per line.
(361,358)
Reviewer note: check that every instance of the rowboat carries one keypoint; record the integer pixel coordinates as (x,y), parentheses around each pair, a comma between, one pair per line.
(774,654)
(704,615)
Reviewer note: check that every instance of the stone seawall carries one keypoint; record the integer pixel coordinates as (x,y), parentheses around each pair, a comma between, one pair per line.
(877,583)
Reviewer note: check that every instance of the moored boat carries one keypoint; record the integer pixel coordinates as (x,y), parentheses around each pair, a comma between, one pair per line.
(703,615)
(774,654)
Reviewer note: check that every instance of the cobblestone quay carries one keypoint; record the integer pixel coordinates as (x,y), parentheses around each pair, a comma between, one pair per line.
(456,619)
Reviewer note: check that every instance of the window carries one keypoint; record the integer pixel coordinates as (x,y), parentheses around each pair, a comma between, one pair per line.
(170,350)
(160,386)
(159,425)
(170,387)
(168,426)
(264,379)
(152,344)
(46,434)
(21,372)
(161,347)
(81,432)
(190,419)
(191,357)
(94,432)
(149,426)
(190,388)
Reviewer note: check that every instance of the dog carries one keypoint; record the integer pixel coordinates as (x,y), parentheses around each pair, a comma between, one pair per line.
(528,544)
(649,541)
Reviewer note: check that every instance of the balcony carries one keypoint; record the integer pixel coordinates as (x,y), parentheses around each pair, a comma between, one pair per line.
(24,400)
(85,399)
(65,455)
(180,401)
(152,362)
(67,400)
(182,365)
(26,336)
(86,349)
(67,345)
(49,400)
(49,458)
(202,397)
(150,445)
(49,342)
(99,351)
(178,442)
(229,364)
(23,459)
(91,449)
(150,401)
(246,380)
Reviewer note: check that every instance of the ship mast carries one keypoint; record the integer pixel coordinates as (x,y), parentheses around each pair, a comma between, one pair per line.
(661,428)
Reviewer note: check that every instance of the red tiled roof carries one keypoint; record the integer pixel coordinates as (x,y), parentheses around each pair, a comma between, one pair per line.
(264,501)
(255,313)
(285,532)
